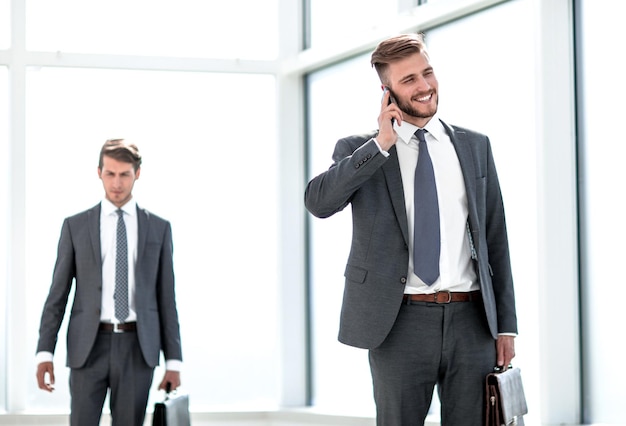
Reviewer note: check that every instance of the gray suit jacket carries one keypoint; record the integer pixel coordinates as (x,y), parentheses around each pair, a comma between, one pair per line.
(379,256)
(79,261)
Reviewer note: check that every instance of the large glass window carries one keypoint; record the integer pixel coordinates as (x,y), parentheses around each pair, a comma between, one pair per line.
(479,80)
(4,211)
(241,29)
(5,23)
(604,231)
(208,169)
(342,22)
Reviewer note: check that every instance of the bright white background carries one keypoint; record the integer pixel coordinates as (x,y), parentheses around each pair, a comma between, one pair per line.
(506,71)
(4,24)
(602,167)
(182,28)
(4,201)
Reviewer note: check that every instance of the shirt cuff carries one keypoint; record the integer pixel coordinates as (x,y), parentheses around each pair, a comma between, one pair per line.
(173,365)
(43,356)
(382,151)
(508,334)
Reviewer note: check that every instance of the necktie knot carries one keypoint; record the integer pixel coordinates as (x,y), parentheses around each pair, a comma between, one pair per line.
(419,134)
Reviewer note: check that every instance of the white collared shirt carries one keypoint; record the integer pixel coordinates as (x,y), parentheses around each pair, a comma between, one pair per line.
(108,230)
(455,264)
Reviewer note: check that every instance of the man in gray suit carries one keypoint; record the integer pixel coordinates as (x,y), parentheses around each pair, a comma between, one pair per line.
(124,310)
(451,325)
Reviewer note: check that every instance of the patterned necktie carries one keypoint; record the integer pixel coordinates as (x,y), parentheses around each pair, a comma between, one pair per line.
(121,270)
(426,238)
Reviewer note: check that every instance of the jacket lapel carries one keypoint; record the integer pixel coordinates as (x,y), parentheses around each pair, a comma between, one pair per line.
(143,224)
(93,224)
(461,144)
(391,169)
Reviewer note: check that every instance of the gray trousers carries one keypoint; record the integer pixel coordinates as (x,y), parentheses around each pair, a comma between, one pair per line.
(445,345)
(115,363)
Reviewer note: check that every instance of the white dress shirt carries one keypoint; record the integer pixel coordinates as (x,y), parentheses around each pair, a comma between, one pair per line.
(456,270)
(108,250)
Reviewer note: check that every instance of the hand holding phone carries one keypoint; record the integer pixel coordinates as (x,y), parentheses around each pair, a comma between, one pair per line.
(390,99)
(388,114)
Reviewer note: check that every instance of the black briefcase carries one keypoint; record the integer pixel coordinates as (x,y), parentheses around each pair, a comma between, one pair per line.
(173,411)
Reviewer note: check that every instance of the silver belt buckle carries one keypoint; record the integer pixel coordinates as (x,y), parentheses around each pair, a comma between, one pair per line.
(117,329)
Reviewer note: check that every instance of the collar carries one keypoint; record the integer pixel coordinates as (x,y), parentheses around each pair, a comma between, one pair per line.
(406,130)
(109,208)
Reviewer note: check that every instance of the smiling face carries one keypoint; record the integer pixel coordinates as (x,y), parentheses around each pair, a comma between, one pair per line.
(118,179)
(414,85)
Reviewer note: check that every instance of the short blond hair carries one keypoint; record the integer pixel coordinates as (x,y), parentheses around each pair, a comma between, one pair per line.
(394,49)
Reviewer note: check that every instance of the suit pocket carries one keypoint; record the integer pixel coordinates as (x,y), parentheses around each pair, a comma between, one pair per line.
(355,274)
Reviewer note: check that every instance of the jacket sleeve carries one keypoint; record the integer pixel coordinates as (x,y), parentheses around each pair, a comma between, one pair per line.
(498,252)
(355,160)
(56,302)
(170,329)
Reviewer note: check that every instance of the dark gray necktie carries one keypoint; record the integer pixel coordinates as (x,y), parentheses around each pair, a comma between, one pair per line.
(121,270)
(426,238)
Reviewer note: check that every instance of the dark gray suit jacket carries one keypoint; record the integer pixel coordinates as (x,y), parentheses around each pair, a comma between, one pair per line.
(379,256)
(79,260)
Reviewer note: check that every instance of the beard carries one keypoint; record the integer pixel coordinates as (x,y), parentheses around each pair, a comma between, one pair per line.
(407,108)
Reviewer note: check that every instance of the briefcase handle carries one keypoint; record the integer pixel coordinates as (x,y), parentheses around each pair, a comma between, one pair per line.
(169,393)
(500,369)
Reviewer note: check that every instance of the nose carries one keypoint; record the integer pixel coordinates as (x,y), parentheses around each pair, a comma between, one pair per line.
(423,84)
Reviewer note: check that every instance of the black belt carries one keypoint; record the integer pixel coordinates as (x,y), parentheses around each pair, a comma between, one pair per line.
(124,327)
(443,297)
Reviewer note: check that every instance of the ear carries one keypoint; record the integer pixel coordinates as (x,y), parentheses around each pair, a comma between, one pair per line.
(137,173)
(99,173)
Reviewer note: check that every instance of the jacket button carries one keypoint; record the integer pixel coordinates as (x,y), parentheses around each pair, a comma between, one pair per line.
(403,280)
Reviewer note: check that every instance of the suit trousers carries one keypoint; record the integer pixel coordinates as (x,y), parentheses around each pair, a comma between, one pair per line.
(433,344)
(115,363)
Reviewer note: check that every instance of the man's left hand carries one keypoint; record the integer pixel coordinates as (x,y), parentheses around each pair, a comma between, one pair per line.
(505,351)
(171,377)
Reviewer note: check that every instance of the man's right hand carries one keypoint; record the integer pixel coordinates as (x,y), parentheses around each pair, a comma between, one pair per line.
(43,369)
(388,112)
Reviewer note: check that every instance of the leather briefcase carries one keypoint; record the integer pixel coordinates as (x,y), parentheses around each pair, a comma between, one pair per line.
(173,411)
(505,399)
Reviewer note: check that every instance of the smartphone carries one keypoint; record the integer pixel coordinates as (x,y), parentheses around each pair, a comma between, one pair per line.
(391,98)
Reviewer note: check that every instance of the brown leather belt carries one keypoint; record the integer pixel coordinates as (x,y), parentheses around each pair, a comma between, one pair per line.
(443,297)
(118,328)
